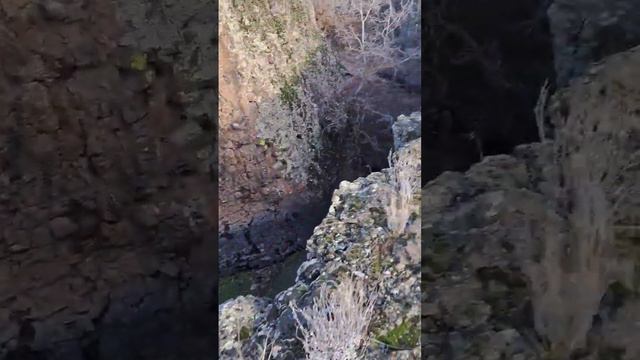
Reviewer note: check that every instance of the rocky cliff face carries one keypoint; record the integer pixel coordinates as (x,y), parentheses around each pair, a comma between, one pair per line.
(270,189)
(285,142)
(106,201)
(585,31)
(503,277)
(371,231)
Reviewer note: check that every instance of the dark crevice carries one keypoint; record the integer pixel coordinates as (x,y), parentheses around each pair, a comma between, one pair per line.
(484,62)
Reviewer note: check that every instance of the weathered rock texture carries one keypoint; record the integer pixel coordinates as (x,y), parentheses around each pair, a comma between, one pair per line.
(267,156)
(371,231)
(106,202)
(585,31)
(283,146)
(505,275)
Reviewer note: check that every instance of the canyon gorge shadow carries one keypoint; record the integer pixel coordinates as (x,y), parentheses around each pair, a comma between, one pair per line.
(278,169)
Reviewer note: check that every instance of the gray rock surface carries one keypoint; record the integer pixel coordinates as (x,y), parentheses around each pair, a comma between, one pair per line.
(586,31)
(406,128)
(371,231)
(106,202)
(502,275)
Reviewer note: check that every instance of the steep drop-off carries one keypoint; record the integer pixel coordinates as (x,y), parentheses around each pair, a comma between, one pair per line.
(371,231)
(269,191)
(485,61)
(283,145)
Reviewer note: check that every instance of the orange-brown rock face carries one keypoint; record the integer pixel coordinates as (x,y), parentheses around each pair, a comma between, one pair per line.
(269,200)
(284,144)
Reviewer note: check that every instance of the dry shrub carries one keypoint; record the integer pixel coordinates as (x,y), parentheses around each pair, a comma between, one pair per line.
(366,33)
(335,326)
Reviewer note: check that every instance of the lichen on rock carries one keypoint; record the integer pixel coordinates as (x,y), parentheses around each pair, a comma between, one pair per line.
(356,239)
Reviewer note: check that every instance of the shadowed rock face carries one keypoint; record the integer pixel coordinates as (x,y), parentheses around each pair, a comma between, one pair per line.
(270,236)
(485,63)
(508,271)
(585,31)
(106,199)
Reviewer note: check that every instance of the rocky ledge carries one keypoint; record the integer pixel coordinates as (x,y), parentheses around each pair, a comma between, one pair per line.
(504,274)
(371,231)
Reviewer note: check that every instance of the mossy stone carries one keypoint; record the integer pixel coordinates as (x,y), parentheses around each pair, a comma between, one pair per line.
(404,336)
(138,61)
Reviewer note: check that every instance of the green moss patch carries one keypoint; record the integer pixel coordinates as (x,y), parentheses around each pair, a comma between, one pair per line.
(138,62)
(289,92)
(244,334)
(234,285)
(404,336)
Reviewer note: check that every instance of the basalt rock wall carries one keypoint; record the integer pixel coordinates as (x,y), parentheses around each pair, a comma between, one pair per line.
(106,196)
(284,142)
(485,62)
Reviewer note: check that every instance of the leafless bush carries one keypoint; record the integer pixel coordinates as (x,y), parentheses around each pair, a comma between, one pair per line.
(267,346)
(399,210)
(320,93)
(264,350)
(406,187)
(366,31)
(321,97)
(441,29)
(335,326)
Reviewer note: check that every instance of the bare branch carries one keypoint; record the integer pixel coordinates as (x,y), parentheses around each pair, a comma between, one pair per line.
(366,32)
(539,110)
(335,326)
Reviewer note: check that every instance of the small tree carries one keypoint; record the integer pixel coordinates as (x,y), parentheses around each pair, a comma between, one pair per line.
(335,327)
(367,31)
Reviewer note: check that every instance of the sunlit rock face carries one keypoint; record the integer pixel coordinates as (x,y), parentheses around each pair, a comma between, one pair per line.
(282,150)
(270,182)
(106,196)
